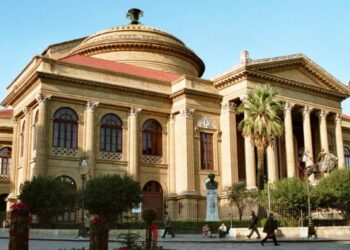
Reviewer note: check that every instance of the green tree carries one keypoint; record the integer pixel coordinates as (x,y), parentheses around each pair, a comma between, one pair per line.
(289,195)
(46,197)
(261,121)
(333,191)
(240,196)
(110,195)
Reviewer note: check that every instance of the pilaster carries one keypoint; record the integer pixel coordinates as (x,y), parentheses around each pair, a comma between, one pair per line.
(90,136)
(229,156)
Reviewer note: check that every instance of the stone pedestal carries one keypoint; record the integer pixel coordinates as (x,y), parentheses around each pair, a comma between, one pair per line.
(212,206)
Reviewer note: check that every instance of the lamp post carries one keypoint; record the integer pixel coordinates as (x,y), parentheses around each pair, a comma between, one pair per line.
(310,226)
(83,171)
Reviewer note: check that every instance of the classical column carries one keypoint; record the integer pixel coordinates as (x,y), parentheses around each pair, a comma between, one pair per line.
(288,126)
(133,152)
(307,134)
(229,163)
(323,130)
(90,136)
(171,168)
(271,163)
(249,163)
(339,141)
(26,148)
(185,152)
(40,167)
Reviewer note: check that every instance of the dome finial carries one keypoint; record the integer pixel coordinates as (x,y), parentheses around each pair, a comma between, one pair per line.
(134,15)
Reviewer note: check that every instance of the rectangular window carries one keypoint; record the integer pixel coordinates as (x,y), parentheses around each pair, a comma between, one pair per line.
(206,145)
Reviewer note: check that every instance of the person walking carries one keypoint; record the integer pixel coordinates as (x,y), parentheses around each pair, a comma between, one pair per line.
(167,224)
(269,228)
(253,226)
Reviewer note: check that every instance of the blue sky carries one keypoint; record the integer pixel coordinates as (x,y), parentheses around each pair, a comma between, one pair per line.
(217,30)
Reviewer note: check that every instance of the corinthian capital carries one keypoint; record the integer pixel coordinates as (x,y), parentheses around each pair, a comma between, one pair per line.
(288,106)
(42,99)
(187,113)
(307,110)
(91,106)
(338,117)
(134,111)
(229,106)
(323,113)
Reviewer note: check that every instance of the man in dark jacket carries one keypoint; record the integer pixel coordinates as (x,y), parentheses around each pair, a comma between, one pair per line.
(253,226)
(167,224)
(269,228)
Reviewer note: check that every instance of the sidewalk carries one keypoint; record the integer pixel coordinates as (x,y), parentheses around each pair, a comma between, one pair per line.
(183,238)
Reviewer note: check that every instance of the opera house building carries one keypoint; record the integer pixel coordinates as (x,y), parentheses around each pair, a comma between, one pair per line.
(131,100)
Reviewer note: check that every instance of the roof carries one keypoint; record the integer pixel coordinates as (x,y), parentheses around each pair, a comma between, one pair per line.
(6,113)
(346,117)
(120,67)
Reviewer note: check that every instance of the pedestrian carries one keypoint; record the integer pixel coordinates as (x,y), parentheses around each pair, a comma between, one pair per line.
(253,226)
(269,228)
(222,230)
(87,223)
(167,225)
(154,231)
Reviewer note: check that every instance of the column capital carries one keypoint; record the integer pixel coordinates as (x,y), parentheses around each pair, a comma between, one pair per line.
(229,106)
(26,110)
(307,110)
(187,113)
(171,118)
(288,106)
(91,106)
(15,120)
(134,111)
(338,117)
(42,99)
(323,113)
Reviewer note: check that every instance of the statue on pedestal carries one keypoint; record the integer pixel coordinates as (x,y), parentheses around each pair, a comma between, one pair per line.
(212,199)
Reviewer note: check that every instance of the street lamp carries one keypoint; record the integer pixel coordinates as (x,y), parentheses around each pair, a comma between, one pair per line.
(310,226)
(83,171)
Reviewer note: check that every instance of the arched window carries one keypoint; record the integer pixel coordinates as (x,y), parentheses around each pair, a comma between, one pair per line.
(152,138)
(347,157)
(111,134)
(65,128)
(35,130)
(5,161)
(70,211)
(22,139)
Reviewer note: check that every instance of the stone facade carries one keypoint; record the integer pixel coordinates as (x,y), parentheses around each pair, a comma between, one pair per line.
(140,74)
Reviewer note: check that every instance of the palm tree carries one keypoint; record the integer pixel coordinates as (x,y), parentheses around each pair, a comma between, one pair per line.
(261,121)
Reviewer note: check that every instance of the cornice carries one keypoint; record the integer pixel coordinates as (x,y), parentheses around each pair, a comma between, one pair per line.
(65,79)
(194,93)
(135,45)
(232,78)
(269,77)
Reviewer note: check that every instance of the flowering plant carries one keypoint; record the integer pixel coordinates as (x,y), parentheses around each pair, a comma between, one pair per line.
(98,234)
(19,227)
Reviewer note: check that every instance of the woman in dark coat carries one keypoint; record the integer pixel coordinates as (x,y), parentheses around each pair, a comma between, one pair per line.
(253,225)
(269,228)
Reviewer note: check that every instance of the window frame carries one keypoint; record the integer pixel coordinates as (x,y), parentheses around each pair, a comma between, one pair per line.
(65,127)
(5,162)
(204,148)
(347,157)
(117,129)
(152,135)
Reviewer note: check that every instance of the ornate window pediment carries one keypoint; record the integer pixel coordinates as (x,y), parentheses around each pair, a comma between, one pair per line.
(206,122)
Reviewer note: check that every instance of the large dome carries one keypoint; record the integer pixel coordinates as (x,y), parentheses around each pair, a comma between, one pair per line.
(143,46)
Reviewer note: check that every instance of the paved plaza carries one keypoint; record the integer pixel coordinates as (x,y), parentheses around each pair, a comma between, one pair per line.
(209,245)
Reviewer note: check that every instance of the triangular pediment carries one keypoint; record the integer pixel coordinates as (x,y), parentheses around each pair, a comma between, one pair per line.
(301,69)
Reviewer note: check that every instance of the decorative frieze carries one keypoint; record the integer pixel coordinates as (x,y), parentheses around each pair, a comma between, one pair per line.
(66,152)
(206,122)
(116,156)
(152,159)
